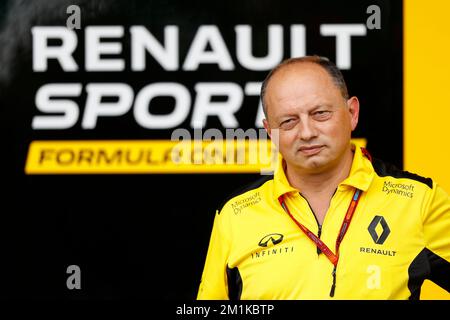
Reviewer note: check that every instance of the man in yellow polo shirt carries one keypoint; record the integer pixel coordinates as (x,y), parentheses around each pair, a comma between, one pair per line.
(331,223)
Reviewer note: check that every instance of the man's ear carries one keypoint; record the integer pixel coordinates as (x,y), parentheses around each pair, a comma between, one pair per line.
(353,108)
(267,127)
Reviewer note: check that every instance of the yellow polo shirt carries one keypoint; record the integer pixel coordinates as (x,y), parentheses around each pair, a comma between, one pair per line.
(398,237)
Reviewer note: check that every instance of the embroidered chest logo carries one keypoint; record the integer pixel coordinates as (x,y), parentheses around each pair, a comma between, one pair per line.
(269,244)
(379,229)
(240,205)
(404,190)
(273,238)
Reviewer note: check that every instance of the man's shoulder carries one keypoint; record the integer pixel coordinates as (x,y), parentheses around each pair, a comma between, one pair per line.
(246,193)
(386,169)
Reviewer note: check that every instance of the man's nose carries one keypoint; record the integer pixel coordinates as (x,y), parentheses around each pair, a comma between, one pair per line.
(307,130)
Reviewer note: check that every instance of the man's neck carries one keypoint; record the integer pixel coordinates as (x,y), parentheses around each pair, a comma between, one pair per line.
(321,183)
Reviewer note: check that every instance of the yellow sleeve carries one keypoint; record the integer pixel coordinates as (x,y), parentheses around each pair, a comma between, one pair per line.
(213,285)
(437,237)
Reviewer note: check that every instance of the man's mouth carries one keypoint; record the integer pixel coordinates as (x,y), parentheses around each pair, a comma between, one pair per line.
(310,150)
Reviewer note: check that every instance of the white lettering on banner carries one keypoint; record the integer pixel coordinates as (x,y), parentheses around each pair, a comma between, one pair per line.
(198,54)
(95,48)
(254,89)
(298,40)
(68,108)
(95,107)
(204,107)
(63,53)
(244,48)
(343,33)
(167,56)
(57,103)
(152,121)
(142,41)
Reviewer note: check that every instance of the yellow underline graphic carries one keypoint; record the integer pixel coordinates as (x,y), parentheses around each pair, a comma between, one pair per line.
(151,156)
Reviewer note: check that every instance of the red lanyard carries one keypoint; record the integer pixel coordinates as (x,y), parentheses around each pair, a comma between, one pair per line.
(333,257)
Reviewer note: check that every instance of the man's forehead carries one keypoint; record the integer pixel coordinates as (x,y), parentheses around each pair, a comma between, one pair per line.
(304,76)
(299,69)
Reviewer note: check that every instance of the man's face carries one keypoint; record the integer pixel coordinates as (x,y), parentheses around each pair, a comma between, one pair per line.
(314,120)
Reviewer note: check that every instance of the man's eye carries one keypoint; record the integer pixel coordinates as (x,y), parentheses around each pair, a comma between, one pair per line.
(287,124)
(322,115)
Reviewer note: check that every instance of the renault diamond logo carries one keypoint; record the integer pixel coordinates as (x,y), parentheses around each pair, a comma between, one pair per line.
(384,234)
(275,238)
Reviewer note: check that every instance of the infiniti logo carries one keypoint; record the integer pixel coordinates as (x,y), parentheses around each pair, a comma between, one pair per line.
(275,238)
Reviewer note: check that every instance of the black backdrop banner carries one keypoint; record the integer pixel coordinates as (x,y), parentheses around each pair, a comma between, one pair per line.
(132,74)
